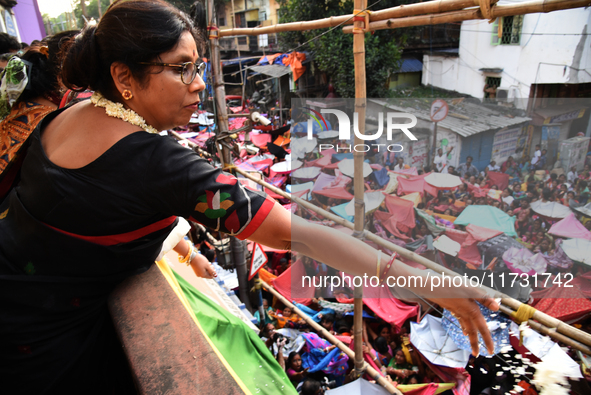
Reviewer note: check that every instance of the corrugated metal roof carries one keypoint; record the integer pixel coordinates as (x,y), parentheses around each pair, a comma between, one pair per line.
(480,118)
(411,66)
(272,70)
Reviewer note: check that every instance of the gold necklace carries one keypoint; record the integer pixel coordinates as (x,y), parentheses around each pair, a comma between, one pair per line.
(117,110)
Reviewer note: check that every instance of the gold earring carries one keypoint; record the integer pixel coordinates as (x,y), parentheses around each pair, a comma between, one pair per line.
(127,95)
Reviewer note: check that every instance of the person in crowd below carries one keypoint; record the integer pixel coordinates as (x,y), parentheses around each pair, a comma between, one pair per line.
(267,309)
(536,159)
(96,218)
(461,191)
(524,165)
(572,174)
(399,369)
(311,387)
(400,165)
(493,166)
(327,322)
(522,224)
(585,173)
(541,165)
(507,196)
(294,369)
(32,100)
(440,160)
(472,180)
(8,44)
(452,170)
(381,352)
(510,162)
(467,169)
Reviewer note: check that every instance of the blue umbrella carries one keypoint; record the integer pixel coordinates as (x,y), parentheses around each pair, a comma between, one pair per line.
(497,324)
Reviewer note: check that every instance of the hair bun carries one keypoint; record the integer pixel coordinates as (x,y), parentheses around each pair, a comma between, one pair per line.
(81,63)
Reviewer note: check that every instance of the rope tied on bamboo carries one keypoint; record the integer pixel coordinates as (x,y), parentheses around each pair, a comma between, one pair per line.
(213,32)
(523,314)
(361,16)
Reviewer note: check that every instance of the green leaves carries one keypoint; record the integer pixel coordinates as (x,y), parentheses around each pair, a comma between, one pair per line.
(333,51)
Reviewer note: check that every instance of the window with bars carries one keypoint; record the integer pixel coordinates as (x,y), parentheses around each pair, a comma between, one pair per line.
(490,87)
(507,30)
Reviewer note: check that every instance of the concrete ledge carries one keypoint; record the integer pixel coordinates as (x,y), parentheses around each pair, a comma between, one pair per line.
(166,351)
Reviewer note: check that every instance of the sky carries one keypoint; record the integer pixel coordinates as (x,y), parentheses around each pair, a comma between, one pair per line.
(54,8)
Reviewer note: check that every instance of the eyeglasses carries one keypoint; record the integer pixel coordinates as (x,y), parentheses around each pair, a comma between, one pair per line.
(188,69)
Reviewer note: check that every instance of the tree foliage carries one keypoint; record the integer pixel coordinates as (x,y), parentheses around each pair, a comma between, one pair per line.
(333,51)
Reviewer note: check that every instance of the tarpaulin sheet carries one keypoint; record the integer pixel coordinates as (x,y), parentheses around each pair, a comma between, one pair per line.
(410,185)
(337,193)
(414,197)
(501,180)
(570,227)
(487,217)
(294,61)
(402,209)
(563,303)
(260,140)
(388,221)
(387,307)
(219,325)
(289,284)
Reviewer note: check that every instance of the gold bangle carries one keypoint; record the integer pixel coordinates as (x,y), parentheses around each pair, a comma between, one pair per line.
(186,258)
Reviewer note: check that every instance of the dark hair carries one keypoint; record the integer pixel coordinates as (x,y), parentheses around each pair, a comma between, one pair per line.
(310,387)
(546,193)
(130,32)
(381,345)
(8,43)
(328,318)
(290,359)
(469,157)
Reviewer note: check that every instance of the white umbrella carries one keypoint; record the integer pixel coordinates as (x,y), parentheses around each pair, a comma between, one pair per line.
(328,134)
(447,245)
(358,387)
(578,250)
(300,147)
(306,173)
(286,166)
(550,209)
(372,201)
(585,210)
(443,180)
(436,345)
(347,167)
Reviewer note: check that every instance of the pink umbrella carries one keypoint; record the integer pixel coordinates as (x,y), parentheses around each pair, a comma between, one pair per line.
(523,261)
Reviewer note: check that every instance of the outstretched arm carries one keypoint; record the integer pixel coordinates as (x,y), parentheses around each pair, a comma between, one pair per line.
(281,230)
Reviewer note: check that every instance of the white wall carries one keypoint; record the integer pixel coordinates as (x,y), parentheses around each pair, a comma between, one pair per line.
(523,64)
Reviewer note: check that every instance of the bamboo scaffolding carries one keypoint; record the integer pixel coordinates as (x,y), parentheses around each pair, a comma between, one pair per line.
(341,346)
(358,184)
(411,10)
(496,11)
(553,325)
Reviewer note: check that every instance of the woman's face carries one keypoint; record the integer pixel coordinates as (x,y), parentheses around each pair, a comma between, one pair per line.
(164,100)
(287,312)
(296,363)
(400,359)
(385,333)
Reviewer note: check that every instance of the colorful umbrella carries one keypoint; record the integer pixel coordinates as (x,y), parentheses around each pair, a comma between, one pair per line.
(431,339)
(487,217)
(286,167)
(522,260)
(328,134)
(570,227)
(300,147)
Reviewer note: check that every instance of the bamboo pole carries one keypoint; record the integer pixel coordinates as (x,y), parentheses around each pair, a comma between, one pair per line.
(328,336)
(358,184)
(497,11)
(411,10)
(427,7)
(551,323)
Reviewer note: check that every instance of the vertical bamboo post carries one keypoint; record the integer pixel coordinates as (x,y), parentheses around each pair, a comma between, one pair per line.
(359,59)
(237,246)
